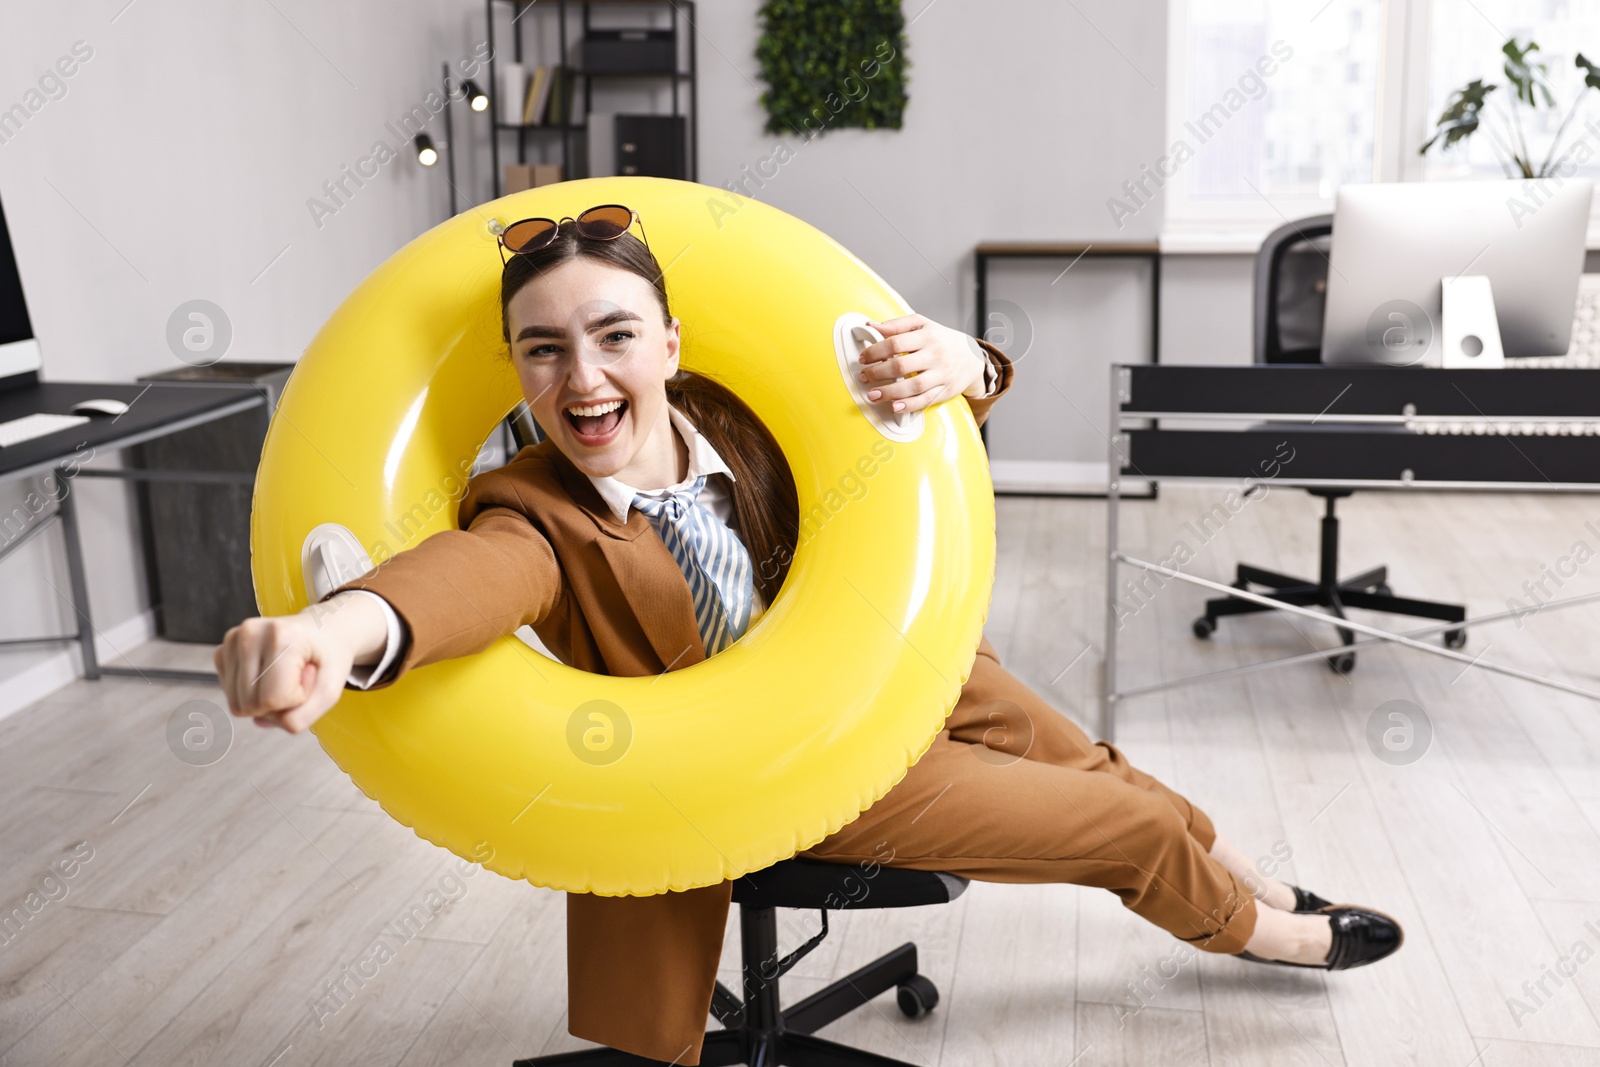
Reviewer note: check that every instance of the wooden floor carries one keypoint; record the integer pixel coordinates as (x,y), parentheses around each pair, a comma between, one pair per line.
(212,906)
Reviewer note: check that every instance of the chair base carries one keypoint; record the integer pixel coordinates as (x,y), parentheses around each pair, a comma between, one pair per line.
(759,1034)
(1369,590)
(728,1047)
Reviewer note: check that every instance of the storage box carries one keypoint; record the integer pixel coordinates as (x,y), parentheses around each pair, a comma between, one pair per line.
(630,51)
(520,176)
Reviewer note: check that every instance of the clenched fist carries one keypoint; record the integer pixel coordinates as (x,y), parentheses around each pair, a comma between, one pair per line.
(289,670)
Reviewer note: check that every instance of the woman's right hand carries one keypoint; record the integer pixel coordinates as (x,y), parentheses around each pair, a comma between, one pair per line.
(290,670)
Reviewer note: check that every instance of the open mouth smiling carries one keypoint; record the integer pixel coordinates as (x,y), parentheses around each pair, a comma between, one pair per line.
(595,424)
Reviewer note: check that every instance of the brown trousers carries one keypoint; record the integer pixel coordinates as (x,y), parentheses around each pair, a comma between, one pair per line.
(1010,791)
(1013,791)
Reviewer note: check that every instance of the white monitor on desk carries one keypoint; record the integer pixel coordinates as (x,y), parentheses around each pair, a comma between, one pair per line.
(1398,247)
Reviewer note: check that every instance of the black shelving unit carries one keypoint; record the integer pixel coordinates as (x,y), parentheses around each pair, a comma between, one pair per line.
(574,134)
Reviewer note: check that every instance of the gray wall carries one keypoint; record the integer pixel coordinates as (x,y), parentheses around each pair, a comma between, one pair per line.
(1007,136)
(1205,308)
(180,160)
(177,165)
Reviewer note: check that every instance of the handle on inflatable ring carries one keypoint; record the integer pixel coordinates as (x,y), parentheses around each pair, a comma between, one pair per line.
(640,785)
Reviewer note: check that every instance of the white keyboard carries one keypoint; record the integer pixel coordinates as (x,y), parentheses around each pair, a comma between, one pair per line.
(1525,428)
(1584,353)
(30,426)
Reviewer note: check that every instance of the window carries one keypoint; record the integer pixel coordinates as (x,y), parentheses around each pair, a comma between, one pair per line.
(1276,103)
(1465,44)
(1352,91)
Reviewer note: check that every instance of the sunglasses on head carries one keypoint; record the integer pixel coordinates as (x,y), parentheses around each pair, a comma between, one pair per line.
(603,223)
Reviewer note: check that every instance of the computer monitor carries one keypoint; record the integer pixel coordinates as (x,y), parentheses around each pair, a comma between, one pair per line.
(19,351)
(1394,242)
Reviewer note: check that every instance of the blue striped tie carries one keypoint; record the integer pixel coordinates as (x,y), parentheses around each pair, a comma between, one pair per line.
(712,558)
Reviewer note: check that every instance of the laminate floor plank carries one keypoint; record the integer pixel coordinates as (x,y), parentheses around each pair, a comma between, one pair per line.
(1399,1010)
(138,987)
(1108,1038)
(343,926)
(1255,1014)
(511,1001)
(1474,903)
(1010,998)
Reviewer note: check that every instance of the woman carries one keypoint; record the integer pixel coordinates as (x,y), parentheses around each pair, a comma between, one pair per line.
(649,530)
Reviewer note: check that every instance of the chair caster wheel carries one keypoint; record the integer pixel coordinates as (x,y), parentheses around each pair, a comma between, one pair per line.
(1204,627)
(1383,590)
(1343,663)
(917,996)
(1455,638)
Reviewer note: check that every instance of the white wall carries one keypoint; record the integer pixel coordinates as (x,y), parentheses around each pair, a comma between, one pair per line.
(179,163)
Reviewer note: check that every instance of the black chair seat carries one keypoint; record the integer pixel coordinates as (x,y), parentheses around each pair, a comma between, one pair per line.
(757,1029)
(819,885)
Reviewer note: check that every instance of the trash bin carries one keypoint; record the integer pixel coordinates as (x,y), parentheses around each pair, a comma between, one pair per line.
(197,534)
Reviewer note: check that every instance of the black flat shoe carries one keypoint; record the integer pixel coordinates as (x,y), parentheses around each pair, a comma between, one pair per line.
(1305,900)
(1360,936)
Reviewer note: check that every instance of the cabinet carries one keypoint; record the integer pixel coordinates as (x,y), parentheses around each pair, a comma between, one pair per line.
(197,533)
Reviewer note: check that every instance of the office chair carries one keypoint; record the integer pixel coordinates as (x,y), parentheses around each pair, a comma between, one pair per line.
(756,1030)
(1291,293)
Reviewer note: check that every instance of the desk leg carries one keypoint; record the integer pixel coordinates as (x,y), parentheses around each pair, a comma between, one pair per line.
(980,277)
(1108,670)
(68,510)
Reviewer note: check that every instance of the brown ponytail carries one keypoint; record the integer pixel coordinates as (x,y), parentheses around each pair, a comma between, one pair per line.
(766,506)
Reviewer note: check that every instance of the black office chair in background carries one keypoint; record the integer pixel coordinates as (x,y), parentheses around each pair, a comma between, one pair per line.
(1291,294)
(757,1031)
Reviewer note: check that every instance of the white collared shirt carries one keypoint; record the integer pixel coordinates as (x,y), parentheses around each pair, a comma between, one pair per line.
(618,496)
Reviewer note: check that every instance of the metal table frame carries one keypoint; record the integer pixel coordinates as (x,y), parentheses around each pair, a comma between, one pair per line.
(990,250)
(1117,458)
(66,514)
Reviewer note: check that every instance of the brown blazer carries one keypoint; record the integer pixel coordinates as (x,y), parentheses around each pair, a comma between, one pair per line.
(538,546)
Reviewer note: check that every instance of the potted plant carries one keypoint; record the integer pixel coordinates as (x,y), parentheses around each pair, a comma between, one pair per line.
(1469,109)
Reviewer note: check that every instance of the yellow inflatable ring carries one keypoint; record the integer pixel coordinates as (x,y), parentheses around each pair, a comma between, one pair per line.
(710,771)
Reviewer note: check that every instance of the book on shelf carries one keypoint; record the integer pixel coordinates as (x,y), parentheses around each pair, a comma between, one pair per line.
(538,97)
(510,91)
(560,108)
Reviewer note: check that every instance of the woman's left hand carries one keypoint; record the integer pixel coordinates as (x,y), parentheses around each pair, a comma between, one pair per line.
(943,363)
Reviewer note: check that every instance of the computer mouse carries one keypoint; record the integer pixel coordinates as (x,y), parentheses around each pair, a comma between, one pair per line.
(99,406)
